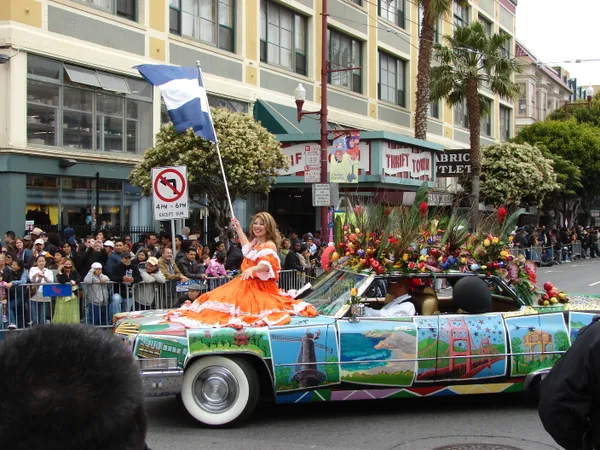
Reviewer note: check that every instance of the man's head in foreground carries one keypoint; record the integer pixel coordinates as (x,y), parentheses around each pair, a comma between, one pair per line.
(70,387)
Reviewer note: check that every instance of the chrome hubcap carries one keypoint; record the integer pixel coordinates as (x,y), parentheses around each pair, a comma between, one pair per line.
(215,389)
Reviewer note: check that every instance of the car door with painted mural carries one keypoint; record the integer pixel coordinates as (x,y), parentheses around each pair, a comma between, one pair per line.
(468,347)
(577,321)
(536,341)
(305,357)
(379,351)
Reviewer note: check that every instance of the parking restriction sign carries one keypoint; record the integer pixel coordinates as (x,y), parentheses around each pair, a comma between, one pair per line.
(170,193)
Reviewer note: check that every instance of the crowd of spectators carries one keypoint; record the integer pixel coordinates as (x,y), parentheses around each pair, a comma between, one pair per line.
(112,273)
(559,244)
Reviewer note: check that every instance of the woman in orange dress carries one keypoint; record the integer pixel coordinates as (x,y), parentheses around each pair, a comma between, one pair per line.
(253,298)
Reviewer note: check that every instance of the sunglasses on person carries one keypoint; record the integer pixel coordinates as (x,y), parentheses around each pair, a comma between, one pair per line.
(68,267)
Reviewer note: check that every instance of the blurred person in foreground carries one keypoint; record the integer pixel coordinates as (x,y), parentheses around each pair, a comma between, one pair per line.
(569,404)
(72,387)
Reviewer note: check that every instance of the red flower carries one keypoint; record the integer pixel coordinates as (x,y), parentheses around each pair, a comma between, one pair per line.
(501,214)
(423,208)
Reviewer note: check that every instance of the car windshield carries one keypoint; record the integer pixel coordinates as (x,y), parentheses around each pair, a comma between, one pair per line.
(331,291)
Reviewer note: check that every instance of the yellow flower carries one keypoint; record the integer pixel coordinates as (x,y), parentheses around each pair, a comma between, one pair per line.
(504,253)
(423,258)
(463,260)
(405,257)
(486,242)
(441,258)
(357,230)
(353,292)
(495,240)
(510,238)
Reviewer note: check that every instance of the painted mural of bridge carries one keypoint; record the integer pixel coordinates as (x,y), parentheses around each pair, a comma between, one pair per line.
(464,347)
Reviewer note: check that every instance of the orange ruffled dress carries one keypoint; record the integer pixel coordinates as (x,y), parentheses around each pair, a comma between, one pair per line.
(257,301)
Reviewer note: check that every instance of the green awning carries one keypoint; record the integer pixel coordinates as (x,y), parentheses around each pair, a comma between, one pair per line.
(282,119)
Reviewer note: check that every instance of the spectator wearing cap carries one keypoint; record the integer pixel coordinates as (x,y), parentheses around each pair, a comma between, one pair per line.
(126,274)
(144,293)
(36,233)
(97,296)
(115,256)
(193,293)
(310,245)
(108,248)
(38,248)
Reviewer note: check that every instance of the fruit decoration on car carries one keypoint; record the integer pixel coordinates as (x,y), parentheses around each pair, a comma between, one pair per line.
(417,239)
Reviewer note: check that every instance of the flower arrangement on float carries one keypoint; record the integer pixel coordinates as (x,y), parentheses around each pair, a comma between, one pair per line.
(405,240)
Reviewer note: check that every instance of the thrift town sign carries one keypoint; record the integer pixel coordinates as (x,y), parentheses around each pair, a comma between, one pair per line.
(452,163)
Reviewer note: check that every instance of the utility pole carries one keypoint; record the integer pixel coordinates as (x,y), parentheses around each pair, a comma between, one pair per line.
(300,96)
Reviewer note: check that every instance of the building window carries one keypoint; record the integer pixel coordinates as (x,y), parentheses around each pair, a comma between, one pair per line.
(461,118)
(214,101)
(488,26)
(505,121)
(436,28)
(121,8)
(208,21)
(392,79)
(507,47)
(357,2)
(345,52)
(393,10)
(486,120)
(461,14)
(433,110)
(79,108)
(522,99)
(282,37)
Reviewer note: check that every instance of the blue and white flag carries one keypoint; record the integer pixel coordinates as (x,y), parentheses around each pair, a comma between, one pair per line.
(184,95)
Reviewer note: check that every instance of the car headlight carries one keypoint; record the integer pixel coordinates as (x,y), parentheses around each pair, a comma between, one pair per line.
(158,363)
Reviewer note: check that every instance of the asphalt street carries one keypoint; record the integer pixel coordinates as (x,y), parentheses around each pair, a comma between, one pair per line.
(507,421)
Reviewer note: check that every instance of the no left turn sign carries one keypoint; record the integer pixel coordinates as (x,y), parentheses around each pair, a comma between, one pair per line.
(170,193)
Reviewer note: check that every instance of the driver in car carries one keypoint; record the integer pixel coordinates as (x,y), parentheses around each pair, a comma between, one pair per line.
(400,304)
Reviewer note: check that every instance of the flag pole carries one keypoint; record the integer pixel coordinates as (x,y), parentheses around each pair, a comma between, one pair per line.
(217,144)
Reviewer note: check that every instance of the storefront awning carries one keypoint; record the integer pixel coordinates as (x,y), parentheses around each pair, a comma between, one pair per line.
(282,119)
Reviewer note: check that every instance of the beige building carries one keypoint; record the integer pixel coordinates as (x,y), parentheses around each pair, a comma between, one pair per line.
(543,89)
(70,93)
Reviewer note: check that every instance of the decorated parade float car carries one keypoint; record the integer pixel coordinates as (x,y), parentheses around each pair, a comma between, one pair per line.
(481,324)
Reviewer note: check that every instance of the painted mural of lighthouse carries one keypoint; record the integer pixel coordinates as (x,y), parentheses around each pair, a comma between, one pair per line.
(310,368)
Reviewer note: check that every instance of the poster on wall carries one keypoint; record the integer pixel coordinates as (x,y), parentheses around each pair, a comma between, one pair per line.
(344,158)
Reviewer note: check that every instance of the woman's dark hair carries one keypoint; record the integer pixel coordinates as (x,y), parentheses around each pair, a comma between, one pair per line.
(20,263)
(221,257)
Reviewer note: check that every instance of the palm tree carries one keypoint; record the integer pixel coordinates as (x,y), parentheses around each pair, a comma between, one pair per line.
(472,59)
(433,10)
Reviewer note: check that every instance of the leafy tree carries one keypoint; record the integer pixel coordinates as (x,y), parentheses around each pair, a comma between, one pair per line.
(471,60)
(515,344)
(433,10)
(513,173)
(251,156)
(577,143)
(561,341)
(581,112)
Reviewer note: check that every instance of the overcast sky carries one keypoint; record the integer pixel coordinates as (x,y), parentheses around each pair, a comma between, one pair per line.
(559,30)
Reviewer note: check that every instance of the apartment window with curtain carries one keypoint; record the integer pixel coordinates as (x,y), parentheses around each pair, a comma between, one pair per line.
(522,99)
(121,8)
(436,28)
(433,110)
(505,123)
(282,37)
(78,108)
(486,120)
(487,24)
(507,47)
(393,10)
(461,118)
(392,79)
(345,51)
(460,14)
(208,21)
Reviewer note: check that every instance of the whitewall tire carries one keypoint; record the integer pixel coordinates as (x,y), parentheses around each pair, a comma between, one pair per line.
(220,391)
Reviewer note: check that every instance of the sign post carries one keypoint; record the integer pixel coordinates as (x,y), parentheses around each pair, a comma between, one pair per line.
(170,199)
(321,194)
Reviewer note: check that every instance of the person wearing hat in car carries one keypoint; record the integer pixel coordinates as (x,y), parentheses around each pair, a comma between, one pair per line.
(192,294)
(398,301)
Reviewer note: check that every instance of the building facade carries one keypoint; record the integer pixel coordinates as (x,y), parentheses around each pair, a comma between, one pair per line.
(543,89)
(78,116)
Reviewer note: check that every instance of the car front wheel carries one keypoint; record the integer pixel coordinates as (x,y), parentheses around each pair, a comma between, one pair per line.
(220,391)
